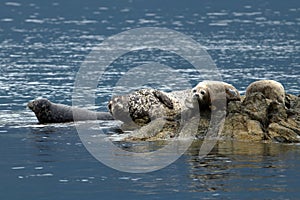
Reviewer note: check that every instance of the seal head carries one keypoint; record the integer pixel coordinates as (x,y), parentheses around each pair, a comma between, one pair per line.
(41,109)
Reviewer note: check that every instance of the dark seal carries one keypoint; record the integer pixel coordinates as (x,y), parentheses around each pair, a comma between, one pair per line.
(48,112)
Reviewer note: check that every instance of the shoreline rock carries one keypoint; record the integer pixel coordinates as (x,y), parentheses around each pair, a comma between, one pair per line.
(253,119)
(260,119)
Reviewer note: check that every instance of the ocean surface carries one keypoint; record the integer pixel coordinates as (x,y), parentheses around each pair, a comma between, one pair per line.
(42,47)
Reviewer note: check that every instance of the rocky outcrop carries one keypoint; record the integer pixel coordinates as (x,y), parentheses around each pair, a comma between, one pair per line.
(257,118)
(254,118)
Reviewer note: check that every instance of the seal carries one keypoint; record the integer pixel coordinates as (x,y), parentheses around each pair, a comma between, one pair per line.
(207,92)
(145,105)
(271,89)
(48,112)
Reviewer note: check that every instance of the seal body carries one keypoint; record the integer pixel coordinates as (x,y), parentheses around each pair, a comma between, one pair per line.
(48,112)
(145,105)
(272,90)
(207,92)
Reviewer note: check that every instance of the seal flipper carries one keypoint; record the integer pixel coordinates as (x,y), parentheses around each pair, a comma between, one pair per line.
(231,92)
(163,98)
(232,95)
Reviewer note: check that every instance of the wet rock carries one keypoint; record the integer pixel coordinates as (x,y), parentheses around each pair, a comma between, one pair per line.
(241,127)
(256,107)
(255,118)
(276,112)
(294,110)
(234,107)
(280,133)
(258,118)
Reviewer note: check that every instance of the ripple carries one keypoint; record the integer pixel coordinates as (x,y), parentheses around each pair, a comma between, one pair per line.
(43,175)
(17,168)
(81,22)
(63,180)
(10,3)
(238,14)
(217,14)
(220,23)
(7,20)
(38,21)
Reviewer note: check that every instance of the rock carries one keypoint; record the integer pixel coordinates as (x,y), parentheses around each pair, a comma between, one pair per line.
(256,107)
(234,107)
(254,119)
(258,118)
(242,127)
(280,133)
(294,110)
(276,112)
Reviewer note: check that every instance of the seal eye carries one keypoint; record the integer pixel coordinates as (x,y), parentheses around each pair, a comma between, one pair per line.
(202,92)
(109,105)
(194,90)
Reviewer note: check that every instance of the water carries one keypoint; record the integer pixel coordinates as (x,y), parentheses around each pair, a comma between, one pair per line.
(42,47)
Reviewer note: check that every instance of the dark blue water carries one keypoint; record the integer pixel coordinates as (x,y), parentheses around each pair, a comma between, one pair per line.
(42,47)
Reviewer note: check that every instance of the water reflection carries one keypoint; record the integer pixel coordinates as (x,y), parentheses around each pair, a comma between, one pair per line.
(55,153)
(255,165)
(231,167)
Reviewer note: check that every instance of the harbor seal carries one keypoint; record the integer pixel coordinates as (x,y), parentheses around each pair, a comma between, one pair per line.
(145,105)
(272,90)
(206,92)
(48,112)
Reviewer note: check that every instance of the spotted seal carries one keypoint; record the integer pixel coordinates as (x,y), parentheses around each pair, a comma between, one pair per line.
(207,92)
(271,89)
(48,112)
(145,105)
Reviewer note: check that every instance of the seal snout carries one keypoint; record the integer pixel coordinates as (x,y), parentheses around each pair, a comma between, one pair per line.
(195,94)
(198,94)
(30,105)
